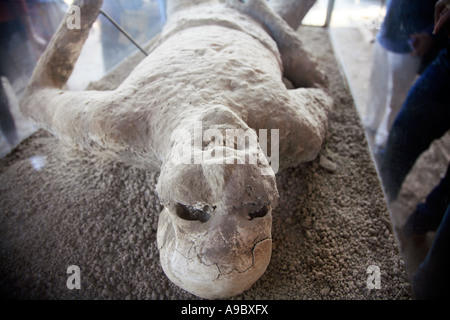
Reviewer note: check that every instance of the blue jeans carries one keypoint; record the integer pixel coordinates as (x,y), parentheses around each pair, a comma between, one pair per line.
(432,279)
(423,118)
(428,215)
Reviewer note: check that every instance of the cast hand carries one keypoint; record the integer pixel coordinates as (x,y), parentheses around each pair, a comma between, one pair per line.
(442,16)
(421,43)
(38,42)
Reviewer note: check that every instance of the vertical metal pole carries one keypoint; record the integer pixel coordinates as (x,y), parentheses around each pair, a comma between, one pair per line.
(329,13)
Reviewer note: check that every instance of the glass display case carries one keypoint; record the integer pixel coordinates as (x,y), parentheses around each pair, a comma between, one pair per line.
(385,82)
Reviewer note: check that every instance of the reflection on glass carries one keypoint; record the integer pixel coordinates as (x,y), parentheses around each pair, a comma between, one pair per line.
(26,27)
(38,162)
(142,19)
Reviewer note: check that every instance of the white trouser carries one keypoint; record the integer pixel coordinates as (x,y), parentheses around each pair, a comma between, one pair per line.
(392,76)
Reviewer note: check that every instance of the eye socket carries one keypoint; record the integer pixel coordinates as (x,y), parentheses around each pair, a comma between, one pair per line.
(193,214)
(260,213)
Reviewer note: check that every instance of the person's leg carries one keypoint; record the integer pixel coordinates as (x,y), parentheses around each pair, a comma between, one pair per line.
(162,9)
(432,278)
(423,118)
(404,73)
(403,70)
(7,123)
(376,105)
(428,215)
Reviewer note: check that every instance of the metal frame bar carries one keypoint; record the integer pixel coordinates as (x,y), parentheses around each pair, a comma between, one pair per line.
(330,8)
(329,13)
(126,34)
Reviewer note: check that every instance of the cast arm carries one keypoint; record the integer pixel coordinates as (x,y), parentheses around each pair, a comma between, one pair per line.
(79,118)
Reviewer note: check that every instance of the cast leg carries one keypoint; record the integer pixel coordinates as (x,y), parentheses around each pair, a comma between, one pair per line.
(176,5)
(292,11)
(298,64)
(7,123)
(302,136)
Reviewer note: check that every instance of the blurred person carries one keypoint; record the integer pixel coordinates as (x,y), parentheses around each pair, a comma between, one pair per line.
(424,117)
(428,214)
(431,280)
(403,44)
(46,16)
(18,56)
(7,122)
(21,45)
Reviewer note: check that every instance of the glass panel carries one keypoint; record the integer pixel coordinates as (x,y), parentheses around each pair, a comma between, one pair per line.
(413,145)
(107,46)
(399,77)
(317,14)
(27,27)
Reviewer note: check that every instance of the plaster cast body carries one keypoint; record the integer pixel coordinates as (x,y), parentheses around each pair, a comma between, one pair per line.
(218,64)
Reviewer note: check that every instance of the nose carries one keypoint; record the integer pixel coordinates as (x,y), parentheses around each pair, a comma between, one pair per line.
(217,257)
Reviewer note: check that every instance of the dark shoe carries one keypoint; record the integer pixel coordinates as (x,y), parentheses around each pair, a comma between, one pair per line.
(413,229)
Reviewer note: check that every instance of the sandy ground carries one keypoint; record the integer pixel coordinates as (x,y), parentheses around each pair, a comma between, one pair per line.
(61,207)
